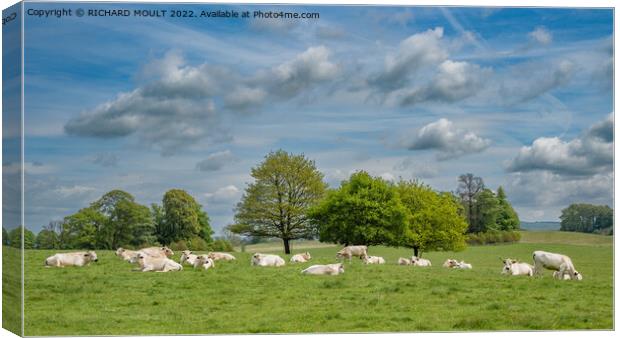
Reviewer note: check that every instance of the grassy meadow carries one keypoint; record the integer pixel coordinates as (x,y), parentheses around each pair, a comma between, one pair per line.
(108,298)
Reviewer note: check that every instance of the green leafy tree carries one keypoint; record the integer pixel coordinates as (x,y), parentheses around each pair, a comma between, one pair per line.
(49,236)
(364,210)
(507,219)
(275,205)
(180,218)
(434,221)
(15,238)
(583,217)
(487,210)
(79,231)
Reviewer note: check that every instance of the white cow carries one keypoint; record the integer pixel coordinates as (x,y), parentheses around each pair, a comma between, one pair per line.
(417,261)
(127,255)
(60,260)
(301,258)
(557,262)
(203,261)
(157,251)
(515,268)
(373,260)
(157,264)
(329,269)
(404,261)
(463,265)
(450,263)
(267,260)
(352,250)
(556,275)
(216,256)
(188,257)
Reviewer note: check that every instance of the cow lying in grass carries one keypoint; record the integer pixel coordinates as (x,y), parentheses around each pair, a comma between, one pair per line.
(404,261)
(60,260)
(204,262)
(515,268)
(259,259)
(329,269)
(187,257)
(157,251)
(126,255)
(417,261)
(157,264)
(373,260)
(216,256)
(454,264)
(301,258)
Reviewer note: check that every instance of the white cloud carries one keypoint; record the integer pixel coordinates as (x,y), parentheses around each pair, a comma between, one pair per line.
(541,35)
(442,135)
(587,154)
(388,176)
(216,161)
(227,194)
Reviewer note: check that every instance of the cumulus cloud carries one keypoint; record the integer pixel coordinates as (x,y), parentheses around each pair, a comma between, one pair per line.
(454,81)
(105,159)
(541,36)
(414,53)
(226,194)
(216,161)
(175,107)
(450,141)
(588,154)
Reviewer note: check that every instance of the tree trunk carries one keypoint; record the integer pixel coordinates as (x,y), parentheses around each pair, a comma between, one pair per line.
(416,250)
(287,247)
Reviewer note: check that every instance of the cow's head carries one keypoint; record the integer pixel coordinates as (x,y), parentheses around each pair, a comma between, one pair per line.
(167,251)
(340,268)
(119,251)
(91,256)
(576,275)
(307,255)
(211,255)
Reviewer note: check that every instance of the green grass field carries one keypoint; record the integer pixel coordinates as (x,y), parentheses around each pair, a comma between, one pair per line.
(107,298)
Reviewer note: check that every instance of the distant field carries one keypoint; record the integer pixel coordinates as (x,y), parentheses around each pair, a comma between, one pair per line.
(107,298)
(564,237)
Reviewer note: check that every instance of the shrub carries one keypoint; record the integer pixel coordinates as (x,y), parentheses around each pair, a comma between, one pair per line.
(222,245)
(197,244)
(493,237)
(179,245)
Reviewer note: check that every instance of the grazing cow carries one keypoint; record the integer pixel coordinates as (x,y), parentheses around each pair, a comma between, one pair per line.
(515,268)
(301,258)
(463,265)
(450,263)
(373,260)
(329,269)
(127,255)
(216,256)
(267,260)
(353,250)
(188,257)
(157,264)
(158,251)
(203,261)
(404,261)
(557,262)
(60,260)
(417,261)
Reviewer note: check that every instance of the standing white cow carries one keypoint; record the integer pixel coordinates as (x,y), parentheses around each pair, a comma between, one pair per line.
(203,261)
(515,268)
(259,259)
(417,261)
(216,256)
(60,260)
(329,269)
(301,258)
(188,257)
(157,264)
(404,261)
(352,250)
(373,260)
(557,262)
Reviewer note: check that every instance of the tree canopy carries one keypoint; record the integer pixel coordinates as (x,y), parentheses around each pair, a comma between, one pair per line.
(275,205)
(583,217)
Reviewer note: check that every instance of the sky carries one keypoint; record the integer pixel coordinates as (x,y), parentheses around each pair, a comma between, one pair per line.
(520,97)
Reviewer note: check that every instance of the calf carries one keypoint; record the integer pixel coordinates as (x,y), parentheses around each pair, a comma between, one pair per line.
(353,250)
(516,268)
(60,260)
(203,261)
(417,261)
(557,262)
(259,259)
(188,257)
(373,260)
(157,264)
(216,256)
(301,258)
(404,261)
(329,269)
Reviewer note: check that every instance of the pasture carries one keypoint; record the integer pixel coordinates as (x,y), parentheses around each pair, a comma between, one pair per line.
(107,298)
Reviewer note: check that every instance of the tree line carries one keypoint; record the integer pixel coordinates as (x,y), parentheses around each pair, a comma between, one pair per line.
(588,218)
(116,220)
(289,200)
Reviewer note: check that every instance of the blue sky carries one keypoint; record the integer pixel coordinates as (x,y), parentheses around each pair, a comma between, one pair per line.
(520,97)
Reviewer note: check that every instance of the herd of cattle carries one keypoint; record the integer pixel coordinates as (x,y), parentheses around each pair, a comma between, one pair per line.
(158,259)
